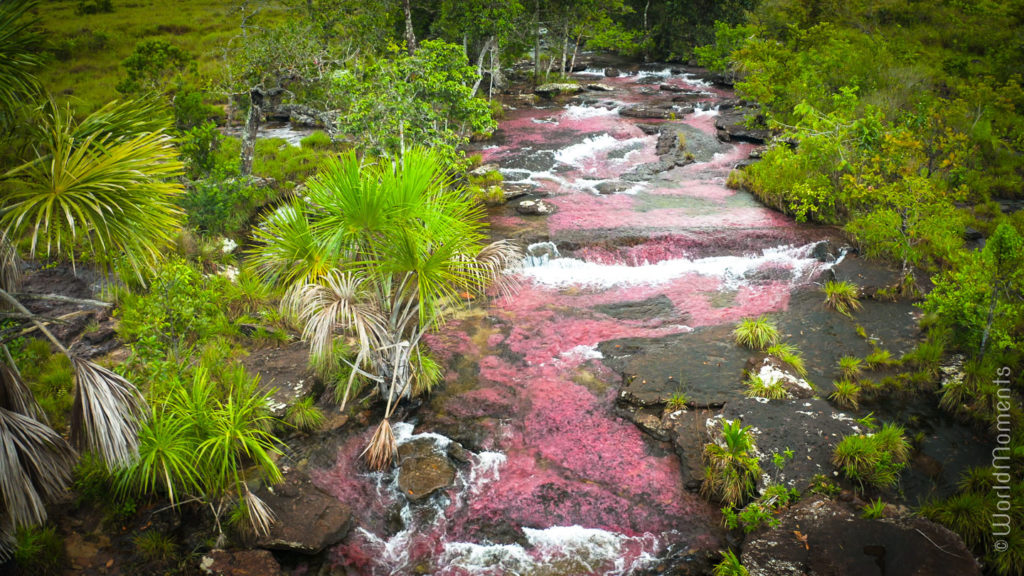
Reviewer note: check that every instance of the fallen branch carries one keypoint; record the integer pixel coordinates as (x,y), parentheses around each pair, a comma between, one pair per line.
(60,298)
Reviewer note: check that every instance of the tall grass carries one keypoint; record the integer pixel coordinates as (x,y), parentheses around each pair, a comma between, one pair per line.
(756,333)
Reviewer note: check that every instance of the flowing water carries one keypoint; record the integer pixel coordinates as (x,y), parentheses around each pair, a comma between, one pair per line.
(556,483)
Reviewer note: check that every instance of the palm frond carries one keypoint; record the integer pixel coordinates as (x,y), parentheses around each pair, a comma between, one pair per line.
(260,515)
(381,450)
(15,395)
(35,467)
(340,301)
(289,253)
(10,267)
(21,53)
(106,415)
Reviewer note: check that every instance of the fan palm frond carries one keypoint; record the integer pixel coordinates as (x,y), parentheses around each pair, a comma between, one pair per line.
(107,414)
(289,252)
(10,267)
(21,53)
(339,301)
(35,467)
(15,395)
(104,193)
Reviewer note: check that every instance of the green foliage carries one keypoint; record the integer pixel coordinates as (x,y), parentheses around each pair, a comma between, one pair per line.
(222,207)
(20,57)
(758,388)
(729,566)
(756,333)
(874,509)
(732,469)
(874,460)
(841,296)
(717,56)
(153,66)
(789,354)
(39,550)
(677,401)
(821,484)
(88,7)
(304,415)
(878,358)
(198,147)
(401,101)
(155,546)
(846,394)
(317,140)
(760,512)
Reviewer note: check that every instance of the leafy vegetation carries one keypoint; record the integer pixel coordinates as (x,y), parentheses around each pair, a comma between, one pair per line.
(732,469)
(841,296)
(756,333)
(790,355)
(758,388)
(873,460)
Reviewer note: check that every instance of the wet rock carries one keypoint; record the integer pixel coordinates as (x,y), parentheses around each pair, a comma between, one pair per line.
(681,560)
(648,111)
(810,427)
(554,89)
(655,307)
(822,252)
(285,371)
(683,144)
(819,537)
(972,234)
(731,125)
(612,187)
(517,191)
(649,129)
(600,88)
(645,172)
(671,88)
(308,520)
(240,563)
(612,72)
(423,469)
(534,208)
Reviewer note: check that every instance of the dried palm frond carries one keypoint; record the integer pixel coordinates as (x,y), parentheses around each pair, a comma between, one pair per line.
(381,450)
(106,415)
(7,542)
(339,302)
(10,267)
(14,393)
(35,466)
(260,515)
(501,262)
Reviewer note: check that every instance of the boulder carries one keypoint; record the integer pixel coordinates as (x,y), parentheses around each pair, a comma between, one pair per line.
(671,88)
(600,87)
(240,563)
(731,126)
(648,111)
(612,72)
(645,172)
(555,88)
(534,208)
(424,468)
(484,169)
(612,187)
(820,537)
(308,520)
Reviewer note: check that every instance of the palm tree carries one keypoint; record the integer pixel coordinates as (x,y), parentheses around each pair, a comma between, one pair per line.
(103,188)
(384,252)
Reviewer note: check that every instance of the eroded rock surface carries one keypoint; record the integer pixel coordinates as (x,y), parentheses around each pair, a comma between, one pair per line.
(424,468)
(308,519)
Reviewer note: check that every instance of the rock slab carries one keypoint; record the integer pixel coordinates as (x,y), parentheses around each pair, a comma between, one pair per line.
(308,520)
(240,563)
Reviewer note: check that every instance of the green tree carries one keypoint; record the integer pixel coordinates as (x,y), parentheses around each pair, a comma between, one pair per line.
(384,252)
(153,65)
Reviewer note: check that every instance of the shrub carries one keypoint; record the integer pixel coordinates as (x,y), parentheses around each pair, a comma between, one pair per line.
(841,296)
(760,512)
(221,207)
(89,7)
(758,388)
(39,550)
(191,110)
(927,356)
(199,149)
(846,395)
(756,333)
(304,415)
(790,355)
(732,470)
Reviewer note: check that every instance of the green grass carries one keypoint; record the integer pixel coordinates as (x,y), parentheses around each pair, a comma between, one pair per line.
(846,394)
(40,551)
(155,546)
(879,358)
(677,401)
(87,50)
(874,509)
(874,460)
(850,366)
(756,333)
(729,566)
(304,415)
(790,355)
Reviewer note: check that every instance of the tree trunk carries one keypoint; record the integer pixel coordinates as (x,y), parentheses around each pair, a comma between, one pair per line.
(410,36)
(993,299)
(252,126)
(480,64)
(497,78)
(536,42)
(575,50)
(565,48)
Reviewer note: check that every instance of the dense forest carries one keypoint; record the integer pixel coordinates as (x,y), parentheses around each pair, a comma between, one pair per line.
(129,156)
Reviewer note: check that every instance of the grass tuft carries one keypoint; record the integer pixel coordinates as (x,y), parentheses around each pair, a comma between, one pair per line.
(841,296)
(756,333)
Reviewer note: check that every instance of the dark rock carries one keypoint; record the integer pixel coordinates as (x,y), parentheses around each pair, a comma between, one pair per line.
(308,520)
(612,187)
(517,191)
(612,72)
(649,129)
(771,370)
(647,111)
(423,468)
(484,169)
(818,537)
(682,560)
(743,164)
(671,88)
(732,126)
(972,234)
(285,370)
(534,208)
(458,453)
(823,252)
(240,563)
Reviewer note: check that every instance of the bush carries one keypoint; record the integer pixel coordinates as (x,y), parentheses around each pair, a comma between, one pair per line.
(850,367)
(874,460)
(191,110)
(756,333)
(221,207)
(732,470)
(729,566)
(198,147)
(758,388)
(155,546)
(841,297)
(304,415)
(89,7)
